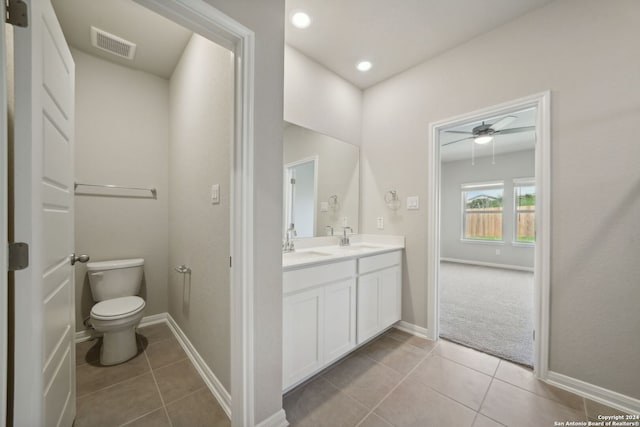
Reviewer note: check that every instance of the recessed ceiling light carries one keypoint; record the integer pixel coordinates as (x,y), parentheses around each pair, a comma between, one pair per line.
(364,66)
(300,20)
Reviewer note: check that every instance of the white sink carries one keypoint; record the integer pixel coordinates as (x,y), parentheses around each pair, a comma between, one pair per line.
(304,254)
(357,248)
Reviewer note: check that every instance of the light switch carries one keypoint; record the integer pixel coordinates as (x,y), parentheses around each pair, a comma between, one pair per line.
(215,194)
(413,203)
(324,206)
(380,223)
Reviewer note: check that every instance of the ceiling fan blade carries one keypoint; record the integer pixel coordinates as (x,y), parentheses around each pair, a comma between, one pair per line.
(459,140)
(515,130)
(503,123)
(459,131)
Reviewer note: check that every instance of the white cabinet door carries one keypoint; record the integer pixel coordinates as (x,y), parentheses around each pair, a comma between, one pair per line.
(368,306)
(390,296)
(339,319)
(302,335)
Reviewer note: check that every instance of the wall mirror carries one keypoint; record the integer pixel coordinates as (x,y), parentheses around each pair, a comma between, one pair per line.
(321,183)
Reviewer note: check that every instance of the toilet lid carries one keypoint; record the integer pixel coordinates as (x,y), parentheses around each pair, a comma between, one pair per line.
(117,307)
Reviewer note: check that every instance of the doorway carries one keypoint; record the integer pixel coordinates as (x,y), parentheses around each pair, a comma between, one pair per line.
(217,27)
(301,189)
(493,213)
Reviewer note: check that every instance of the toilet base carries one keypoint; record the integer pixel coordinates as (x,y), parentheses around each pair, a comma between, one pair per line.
(118,346)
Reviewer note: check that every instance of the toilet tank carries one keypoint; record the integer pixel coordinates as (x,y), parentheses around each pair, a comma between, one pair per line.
(114,279)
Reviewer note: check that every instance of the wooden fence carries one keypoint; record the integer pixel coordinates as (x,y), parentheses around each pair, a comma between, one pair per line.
(486,223)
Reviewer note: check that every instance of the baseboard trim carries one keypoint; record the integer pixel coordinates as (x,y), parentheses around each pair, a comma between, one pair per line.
(590,391)
(412,329)
(221,394)
(87,334)
(488,264)
(279,419)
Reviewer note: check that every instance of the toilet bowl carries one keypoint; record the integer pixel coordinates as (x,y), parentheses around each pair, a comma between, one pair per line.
(115,285)
(117,319)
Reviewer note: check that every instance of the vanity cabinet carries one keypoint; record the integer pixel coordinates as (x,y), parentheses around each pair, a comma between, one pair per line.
(319,318)
(330,309)
(379,293)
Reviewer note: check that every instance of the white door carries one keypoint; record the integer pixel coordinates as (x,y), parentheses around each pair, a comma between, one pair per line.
(44,391)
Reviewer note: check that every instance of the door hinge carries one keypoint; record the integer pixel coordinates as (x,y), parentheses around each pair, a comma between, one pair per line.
(18,256)
(17,13)
(230,263)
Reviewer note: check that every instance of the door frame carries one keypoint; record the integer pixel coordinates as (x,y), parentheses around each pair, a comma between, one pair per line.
(541,101)
(203,18)
(287,191)
(4,230)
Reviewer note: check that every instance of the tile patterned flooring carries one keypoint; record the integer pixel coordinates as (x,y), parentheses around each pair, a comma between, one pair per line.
(159,387)
(396,380)
(401,380)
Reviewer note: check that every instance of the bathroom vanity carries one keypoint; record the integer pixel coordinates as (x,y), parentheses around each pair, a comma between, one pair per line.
(336,298)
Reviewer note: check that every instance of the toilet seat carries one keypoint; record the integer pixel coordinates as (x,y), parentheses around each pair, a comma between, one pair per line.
(117,308)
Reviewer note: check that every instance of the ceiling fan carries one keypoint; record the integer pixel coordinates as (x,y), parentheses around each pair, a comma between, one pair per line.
(485,132)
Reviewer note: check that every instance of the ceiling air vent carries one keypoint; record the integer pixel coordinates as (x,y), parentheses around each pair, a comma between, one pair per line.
(112,44)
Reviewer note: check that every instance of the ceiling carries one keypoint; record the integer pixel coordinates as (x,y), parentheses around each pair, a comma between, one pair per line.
(503,143)
(393,35)
(160,42)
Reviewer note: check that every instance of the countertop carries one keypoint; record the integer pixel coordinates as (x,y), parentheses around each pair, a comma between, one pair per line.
(323,254)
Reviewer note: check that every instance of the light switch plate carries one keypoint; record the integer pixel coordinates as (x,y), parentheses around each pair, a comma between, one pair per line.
(380,223)
(215,194)
(324,206)
(413,203)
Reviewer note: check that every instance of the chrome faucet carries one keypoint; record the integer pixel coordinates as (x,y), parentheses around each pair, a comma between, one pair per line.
(344,240)
(287,245)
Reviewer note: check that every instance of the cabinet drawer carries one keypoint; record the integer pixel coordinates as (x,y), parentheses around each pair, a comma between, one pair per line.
(377,262)
(296,280)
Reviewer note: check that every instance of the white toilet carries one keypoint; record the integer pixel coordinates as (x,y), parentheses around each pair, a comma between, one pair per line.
(114,286)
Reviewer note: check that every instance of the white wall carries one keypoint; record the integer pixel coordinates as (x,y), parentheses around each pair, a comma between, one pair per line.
(121,138)
(201,126)
(266,19)
(583,51)
(319,99)
(507,167)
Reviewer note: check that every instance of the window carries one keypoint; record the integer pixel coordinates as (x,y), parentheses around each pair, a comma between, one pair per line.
(482,211)
(524,196)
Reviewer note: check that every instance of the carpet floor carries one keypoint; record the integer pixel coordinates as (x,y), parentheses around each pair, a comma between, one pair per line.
(489,309)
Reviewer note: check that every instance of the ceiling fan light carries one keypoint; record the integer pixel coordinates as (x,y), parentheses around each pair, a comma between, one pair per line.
(483,139)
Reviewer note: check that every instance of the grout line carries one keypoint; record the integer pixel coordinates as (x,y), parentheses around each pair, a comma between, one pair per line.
(467,366)
(112,385)
(486,393)
(204,387)
(394,388)
(586,412)
(157,368)
(164,406)
(126,423)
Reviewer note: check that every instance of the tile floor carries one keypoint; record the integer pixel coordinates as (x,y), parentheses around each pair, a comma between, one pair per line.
(159,387)
(401,380)
(396,380)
